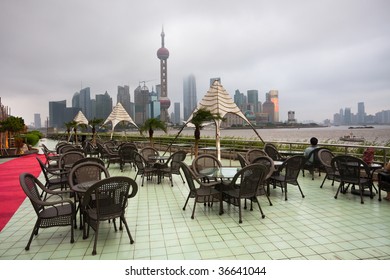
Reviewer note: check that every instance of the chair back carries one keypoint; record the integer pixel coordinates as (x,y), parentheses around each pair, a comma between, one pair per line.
(126,152)
(272,152)
(249,178)
(110,197)
(69,158)
(254,153)
(325,156)
(148,152)
(242,160)
(31,187)
(140,162)
(176,159)
(90,159)
(351,169)
(268,162)
(189,175)
(87,172)
(43,168)
(205,161)
(292,166)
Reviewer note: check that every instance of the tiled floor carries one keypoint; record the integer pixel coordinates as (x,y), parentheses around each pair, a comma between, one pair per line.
(316,227)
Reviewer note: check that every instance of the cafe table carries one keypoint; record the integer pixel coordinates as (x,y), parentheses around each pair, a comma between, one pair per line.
(222,173)
(79,190)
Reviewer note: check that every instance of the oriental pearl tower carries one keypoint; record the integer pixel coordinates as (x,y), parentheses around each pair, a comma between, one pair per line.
(163,54)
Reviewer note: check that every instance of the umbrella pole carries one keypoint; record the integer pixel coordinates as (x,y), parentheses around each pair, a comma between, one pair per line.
(177,135)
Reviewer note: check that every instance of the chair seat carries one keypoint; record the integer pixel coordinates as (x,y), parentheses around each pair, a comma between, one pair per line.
(51,212)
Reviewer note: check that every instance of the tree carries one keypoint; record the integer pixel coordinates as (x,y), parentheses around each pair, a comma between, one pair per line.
(93,123)
(13,125)
(152,124)
(198,119)
(69,126)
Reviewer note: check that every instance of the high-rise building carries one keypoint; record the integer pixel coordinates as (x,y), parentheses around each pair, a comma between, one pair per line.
(37,121)
(56,113)
(177,113)
(347,116)
(141,104)
(123,97)
(103,105)
(189,96)
(274,98)
(163,54)
(253,99)
(82,100)
(361,114)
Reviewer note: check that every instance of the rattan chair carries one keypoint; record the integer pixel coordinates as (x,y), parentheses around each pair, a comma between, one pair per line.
(143,168)
(313,163)
(54,179)
(205,192)
(254,153)
(288,174)
(273,152)
(204,161)
(107,200)
(126,155)
(244,185)
(325,156)
(353,172)
(148,153)
(242,160)
(171,166)
(55,211)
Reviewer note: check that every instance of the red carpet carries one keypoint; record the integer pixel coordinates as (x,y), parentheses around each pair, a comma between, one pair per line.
(11,193)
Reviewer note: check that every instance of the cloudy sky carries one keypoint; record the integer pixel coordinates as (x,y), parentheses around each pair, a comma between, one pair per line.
(321,55)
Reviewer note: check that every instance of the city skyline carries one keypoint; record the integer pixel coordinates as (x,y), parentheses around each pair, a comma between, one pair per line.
(316,62)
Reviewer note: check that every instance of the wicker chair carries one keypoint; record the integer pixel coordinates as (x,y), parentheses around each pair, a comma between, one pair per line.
(50,213)
(273,152)
(325,157)
(202,162)
(82,172)
(288,174)
(143,168)
(204,193)
(353,171)
(148,153)
(67,160)
(107,200)
(313,163)
(244,185)
(54,179)
(254,153)
(242,160)
(171,166)
(126,155)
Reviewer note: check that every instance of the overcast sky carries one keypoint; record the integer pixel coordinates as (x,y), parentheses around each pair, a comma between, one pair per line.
(321,55)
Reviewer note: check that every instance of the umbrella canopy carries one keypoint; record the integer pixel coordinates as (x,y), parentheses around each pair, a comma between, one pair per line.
(218,101)
(118,115)
(80,118)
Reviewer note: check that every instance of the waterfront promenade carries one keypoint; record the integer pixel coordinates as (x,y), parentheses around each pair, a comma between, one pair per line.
(317,227)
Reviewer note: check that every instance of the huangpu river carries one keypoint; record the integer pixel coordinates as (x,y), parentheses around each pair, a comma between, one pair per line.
(379,135)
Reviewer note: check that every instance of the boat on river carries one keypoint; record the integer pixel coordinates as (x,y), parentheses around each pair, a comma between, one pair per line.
(352,138)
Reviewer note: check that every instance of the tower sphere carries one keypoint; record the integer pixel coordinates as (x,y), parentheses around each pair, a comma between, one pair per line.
(163,53)
(165,102)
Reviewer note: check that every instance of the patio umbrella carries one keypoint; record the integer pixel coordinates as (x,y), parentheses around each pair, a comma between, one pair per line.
(118,115)
(218,101)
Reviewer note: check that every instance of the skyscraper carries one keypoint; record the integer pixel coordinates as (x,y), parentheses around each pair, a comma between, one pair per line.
(253,99)
(163,54)
(189,96)
(274,98)
(82,100)
(37,121)
(177,113)
(103,105)
(361,114)
(123,97)
(56,113)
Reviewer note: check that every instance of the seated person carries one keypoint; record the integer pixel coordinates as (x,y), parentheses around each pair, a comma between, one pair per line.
(313,145)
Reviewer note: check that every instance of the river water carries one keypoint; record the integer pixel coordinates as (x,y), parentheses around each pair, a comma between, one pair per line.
(379,135)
